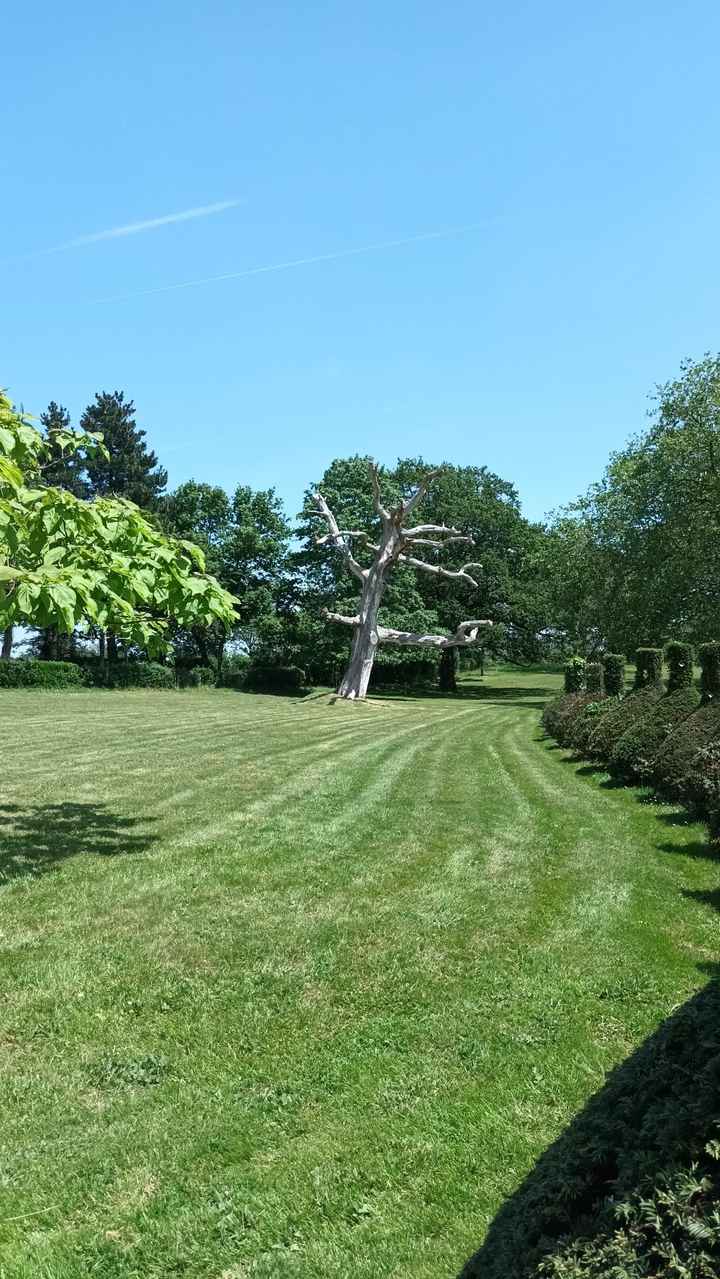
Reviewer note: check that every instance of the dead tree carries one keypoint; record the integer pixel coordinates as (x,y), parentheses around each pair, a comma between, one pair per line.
(395,546)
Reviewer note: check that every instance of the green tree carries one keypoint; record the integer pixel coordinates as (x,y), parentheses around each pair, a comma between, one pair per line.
(64,560)
(127,468)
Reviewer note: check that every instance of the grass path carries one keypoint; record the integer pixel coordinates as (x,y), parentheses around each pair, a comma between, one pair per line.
(304,989)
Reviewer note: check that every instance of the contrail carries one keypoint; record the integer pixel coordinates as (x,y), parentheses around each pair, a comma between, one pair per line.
(286,266)
(135,228)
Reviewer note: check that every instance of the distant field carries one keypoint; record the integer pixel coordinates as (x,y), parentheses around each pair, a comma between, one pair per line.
(301,988)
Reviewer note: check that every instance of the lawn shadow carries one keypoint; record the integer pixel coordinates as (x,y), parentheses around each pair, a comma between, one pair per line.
(35,840)
(531,696)
(655,1113)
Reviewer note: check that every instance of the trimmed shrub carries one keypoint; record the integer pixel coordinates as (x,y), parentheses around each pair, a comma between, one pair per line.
(614,668)
(634,753)
(648,667)
(679,658)
(701,786)
(672,764)
(233,679)
(560,715)
(27,672)
(274,679)
(574,672)
(630,1189)
(99,674)
(709,655)
(586,723)
(594,678)
(617,721)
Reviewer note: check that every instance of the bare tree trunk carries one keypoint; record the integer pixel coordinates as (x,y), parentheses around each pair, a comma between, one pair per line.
(112,651)
(355,681)
(7,643)
(101,646)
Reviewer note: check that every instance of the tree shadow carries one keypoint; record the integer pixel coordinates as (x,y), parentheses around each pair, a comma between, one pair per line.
(35,840)
(534,697)
(649,1123)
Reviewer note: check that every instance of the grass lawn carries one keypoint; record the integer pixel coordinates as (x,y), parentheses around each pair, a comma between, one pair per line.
(299,988)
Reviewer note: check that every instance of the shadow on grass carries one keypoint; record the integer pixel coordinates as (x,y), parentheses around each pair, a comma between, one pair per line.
(37,839)
(532,696)
(637,1137)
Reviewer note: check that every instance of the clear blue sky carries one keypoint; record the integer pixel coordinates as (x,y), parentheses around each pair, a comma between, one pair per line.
(579,145)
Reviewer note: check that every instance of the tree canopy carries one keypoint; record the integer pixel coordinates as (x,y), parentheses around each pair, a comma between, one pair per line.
(64,560)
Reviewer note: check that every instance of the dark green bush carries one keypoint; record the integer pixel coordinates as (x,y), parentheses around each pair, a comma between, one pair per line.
(27,672)
(274,679)
(99,674)
(560,715)
(700,788)
(619,719)
(648,667)
(233,679)
(634,753)
(585,724)
(574,673)
(709,655)
(614,667)
(672,764)
(630,1190)
(595,678)
(679,658)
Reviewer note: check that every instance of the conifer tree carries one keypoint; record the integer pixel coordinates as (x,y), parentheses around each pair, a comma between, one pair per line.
(130,470)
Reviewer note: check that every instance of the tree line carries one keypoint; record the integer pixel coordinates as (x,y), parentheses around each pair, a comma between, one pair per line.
(632,561)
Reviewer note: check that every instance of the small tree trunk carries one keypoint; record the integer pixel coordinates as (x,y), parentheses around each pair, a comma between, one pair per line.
(101,646)
(448,670)
(7,643)
(112,651)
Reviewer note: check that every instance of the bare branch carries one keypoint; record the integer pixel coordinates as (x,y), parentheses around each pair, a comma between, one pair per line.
(344,532)
(429,541)
(420,492)
(340,617)
(466,634)
(336,537)
(455,575)
(377,499)
(444,529)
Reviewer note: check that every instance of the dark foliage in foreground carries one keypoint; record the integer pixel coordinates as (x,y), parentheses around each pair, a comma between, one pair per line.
(631,1190)
(633,755)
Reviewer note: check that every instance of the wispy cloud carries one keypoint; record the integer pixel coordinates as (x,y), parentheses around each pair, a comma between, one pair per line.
(307,261)
(137,228)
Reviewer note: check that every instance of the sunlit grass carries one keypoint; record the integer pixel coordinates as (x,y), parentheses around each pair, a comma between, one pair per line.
(303,988)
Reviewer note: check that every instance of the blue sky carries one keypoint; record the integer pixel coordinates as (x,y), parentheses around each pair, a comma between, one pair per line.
(569,151)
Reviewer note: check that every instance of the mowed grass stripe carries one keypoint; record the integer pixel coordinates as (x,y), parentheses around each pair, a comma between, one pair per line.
(373,960)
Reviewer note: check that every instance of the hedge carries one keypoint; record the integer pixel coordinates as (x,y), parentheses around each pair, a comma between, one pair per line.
(633,755)
(595,678)
(560,715)
(618,720)
(99,674)
(709,655)
(584,725)
(27,672)
(630,1189)
(274,679)
(672,764)
(679,658)
(701,786)
(574,673)
(614,667)
(648,667)
(194,677)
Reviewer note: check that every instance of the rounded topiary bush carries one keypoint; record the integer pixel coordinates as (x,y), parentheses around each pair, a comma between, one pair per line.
(574,674)
(614,668)
(624,713)
(560,716)
(700,788)
(634,753)
(648,667)
(679,658)
(674,760)
(709,657)
(585,724)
